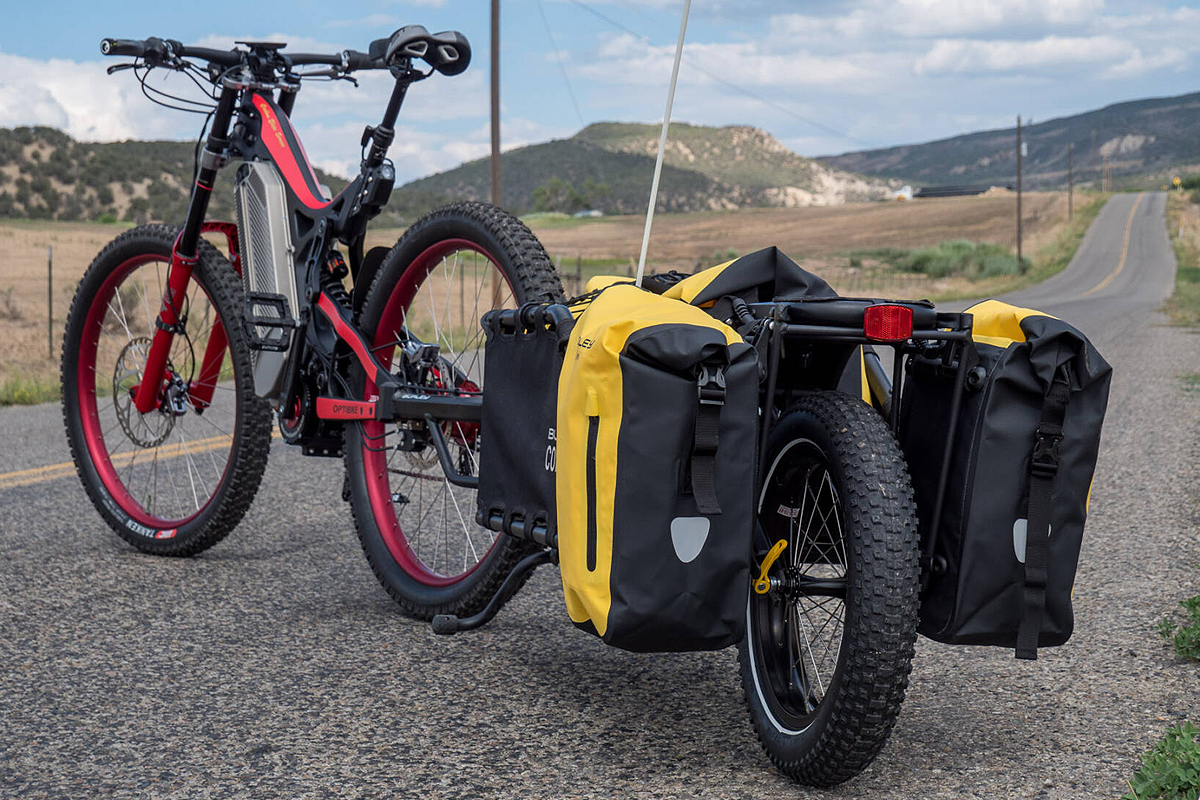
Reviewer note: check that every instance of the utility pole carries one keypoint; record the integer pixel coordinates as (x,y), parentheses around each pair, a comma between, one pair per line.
(1070,182)
(496,194)
(1019,154)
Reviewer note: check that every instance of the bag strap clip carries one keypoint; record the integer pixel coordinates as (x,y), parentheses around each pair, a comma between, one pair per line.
(710,385)
(1044,461)
(710,388)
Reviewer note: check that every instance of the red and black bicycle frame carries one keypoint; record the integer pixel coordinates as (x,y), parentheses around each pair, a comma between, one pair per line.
(251,122)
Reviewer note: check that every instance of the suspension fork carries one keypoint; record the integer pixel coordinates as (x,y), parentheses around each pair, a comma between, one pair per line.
(183,258)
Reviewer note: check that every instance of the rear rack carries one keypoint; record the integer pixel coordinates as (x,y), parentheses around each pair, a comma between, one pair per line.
(944,336)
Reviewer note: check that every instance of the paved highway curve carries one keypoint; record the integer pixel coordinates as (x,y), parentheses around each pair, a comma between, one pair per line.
(275,666)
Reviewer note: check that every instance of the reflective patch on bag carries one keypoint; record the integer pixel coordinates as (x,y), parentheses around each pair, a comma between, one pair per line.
(688,535)
(1019,536)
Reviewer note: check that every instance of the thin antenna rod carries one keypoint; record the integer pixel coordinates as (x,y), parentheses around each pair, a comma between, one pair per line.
(662,143)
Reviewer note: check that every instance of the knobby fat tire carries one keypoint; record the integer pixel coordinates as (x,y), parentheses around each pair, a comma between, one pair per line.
(855,719)
(252,433)
(524,262)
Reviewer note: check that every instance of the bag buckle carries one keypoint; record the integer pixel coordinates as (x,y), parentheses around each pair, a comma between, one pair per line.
(1045,454)
(710,385)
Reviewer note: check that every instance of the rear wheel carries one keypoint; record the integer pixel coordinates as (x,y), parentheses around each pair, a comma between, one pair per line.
(177,479)
(418,529)
(828,649)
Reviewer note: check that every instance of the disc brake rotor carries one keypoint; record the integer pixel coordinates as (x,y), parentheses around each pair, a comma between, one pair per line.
(145,430)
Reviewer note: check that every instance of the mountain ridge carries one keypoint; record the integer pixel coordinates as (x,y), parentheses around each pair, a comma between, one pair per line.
(705,168)
(1137,139)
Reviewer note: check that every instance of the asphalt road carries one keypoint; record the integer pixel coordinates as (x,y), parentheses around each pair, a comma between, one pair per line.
(274,665)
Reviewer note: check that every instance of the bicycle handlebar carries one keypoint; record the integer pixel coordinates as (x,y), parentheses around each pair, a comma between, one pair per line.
(160,52)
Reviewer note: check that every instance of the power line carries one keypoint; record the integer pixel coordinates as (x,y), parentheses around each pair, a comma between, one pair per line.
(562,67)
(743,90)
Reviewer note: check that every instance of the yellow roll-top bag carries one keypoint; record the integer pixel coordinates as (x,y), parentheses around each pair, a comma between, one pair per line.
(657,413)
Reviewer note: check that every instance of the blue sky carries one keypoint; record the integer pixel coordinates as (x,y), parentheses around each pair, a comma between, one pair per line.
(822,77)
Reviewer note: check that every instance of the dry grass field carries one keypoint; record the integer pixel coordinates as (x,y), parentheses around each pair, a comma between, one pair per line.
(819,238)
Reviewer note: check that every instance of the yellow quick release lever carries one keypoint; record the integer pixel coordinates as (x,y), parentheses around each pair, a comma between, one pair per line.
(763,584)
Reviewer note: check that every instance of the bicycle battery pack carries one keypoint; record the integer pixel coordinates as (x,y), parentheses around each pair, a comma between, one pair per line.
(268,272)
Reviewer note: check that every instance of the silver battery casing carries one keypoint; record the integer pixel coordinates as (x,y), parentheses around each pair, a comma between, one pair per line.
(265,242)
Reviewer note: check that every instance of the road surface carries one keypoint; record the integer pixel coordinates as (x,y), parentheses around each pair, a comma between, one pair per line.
(274,665)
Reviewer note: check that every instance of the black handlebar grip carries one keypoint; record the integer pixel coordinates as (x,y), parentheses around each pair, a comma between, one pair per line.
(356,60)
(123,47)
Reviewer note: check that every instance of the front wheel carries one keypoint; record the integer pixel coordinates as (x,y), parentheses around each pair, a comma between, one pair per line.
(417,529)
(828,649)
(177,479)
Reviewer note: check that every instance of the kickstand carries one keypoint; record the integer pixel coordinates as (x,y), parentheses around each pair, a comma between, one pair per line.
(446,624)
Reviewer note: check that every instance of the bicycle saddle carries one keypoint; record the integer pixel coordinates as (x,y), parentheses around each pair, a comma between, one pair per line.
(448,52)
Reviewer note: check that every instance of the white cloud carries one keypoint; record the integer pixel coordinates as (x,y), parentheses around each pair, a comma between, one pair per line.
(970,56)
(78,98)
(627,60)
(921,19)
(1138,64)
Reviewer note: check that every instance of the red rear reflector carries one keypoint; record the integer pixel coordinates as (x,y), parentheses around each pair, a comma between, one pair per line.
(885,323)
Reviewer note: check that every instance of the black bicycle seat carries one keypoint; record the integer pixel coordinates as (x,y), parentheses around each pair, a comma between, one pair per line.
(448,52)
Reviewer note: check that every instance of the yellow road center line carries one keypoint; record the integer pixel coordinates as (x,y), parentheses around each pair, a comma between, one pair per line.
(35,475)
(1124,252)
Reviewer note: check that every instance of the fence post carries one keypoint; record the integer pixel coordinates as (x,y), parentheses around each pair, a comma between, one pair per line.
(50,300)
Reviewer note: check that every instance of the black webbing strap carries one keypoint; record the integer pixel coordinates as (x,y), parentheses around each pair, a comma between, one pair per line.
(1042,469)
(710,386)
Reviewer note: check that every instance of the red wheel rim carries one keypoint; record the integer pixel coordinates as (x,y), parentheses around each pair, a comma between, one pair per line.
(87,367)
(375,462)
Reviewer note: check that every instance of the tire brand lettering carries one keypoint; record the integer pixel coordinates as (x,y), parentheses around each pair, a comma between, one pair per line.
(139,528)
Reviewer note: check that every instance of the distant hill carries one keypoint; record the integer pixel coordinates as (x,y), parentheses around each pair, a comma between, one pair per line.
(45,174)
(1142,138)
(704,168)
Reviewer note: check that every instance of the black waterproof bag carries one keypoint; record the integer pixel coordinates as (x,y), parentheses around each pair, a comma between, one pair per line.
(518,448)
(1002,561)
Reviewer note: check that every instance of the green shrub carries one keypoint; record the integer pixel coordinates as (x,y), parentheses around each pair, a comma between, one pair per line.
(1171,769)
(963,258)
(20,391)
(1185,638)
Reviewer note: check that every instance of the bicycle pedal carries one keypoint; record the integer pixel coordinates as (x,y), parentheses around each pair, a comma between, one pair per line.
(268,322)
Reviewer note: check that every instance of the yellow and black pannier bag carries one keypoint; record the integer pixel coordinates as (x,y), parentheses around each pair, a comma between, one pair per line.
(657,414)
(1006,548)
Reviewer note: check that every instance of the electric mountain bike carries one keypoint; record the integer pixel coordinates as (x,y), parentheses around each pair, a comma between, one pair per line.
(176,355)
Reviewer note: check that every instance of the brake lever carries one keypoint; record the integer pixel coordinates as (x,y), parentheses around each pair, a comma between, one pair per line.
(333,73)
(119,67)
